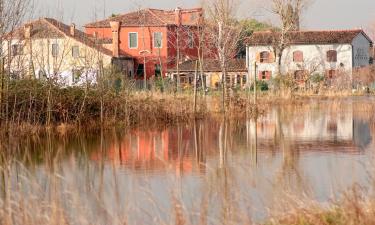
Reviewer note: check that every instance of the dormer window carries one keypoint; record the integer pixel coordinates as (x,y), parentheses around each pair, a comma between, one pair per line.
(332,56)
(298,56)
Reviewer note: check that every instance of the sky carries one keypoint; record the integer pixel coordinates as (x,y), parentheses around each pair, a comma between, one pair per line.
(322,14)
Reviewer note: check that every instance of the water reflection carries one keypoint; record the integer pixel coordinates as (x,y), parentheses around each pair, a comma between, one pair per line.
(212,168)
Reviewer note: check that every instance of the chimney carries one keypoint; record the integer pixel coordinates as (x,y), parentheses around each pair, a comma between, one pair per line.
(27,30)
(72,29)
(115,27)
(178,18)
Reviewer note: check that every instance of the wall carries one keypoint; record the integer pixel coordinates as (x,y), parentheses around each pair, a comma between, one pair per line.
(361,51)
(168,52)
(60,68)
(315,59)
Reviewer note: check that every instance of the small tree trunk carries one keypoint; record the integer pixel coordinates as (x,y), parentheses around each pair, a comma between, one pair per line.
(195,86)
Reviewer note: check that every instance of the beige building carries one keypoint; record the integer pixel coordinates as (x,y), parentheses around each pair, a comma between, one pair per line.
(49,49)
(236,72)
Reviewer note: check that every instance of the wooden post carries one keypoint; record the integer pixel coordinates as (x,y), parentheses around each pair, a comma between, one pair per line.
(144,73)
(2,75)
(255,83)
(195,87)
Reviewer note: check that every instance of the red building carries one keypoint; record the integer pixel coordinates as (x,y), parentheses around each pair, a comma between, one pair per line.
(153,37)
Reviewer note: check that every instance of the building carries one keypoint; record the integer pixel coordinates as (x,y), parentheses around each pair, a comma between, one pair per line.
(237,73)
(328,53)
(47,48)
(157,39)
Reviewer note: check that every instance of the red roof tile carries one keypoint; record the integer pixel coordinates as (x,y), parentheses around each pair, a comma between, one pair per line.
(51,28)
(306,37)
(152,17)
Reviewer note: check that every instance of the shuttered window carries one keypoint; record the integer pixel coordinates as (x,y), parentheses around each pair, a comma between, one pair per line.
(133,40)
(298,56)
(17,49)
(299,75)
(264,75)
(158,39)
(75,52)
(331,74)
(332,56)
(265,57)
(55,50)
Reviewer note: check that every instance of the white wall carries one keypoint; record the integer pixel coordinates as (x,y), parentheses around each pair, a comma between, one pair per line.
(361,51)
(315,59)
(59,68)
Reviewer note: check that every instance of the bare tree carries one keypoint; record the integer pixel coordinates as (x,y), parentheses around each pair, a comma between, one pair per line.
(289,13)
(12,14)
(224,34)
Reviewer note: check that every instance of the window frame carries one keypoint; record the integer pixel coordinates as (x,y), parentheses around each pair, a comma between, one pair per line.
(73,52)
(330,58)
(161,39)
(296,54)
(263,59)
(55,52)
(129,40)
(17,49)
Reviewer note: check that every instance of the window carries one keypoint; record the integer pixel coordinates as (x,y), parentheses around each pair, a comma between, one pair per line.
(298,56)
(17,49)
(75,52)
(158,40)
(331,74)
(299,75)
(264,57)
(133,40)
(190,39)
(332,56)
(265,75)
(76,74)
(55,50)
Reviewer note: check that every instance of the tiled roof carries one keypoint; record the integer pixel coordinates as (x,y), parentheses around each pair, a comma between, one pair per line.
(306,37)
(152,17)
(51,28)
(213,65)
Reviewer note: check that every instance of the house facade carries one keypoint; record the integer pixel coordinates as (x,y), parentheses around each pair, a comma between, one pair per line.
(237,73)
(47,48)
(156,39)
(328,53)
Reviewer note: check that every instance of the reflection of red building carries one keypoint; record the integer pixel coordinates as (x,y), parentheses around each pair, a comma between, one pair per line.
(153,151)
(153,34)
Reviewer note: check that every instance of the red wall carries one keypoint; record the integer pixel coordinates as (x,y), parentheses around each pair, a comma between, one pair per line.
(167,53)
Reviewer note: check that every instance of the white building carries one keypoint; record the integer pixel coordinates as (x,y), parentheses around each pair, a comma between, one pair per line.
(49,49)
(327,53)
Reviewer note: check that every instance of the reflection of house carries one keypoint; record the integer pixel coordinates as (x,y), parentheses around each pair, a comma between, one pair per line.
(48,48)
(154,151)
(236,70)
(152,36)
(308,52)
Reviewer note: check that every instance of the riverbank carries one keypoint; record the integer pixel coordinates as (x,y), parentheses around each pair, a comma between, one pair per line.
(32,106)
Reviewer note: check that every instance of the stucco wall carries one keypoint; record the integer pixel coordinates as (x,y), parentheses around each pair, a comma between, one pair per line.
(361,51)
(62,65)
(314,59)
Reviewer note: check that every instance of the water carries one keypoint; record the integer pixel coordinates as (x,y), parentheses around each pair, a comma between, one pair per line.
(211,170)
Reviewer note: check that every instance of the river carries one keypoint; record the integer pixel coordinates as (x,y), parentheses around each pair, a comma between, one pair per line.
(208,172)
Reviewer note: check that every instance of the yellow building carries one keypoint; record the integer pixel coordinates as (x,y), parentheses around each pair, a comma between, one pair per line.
(49,49)
(212,75)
